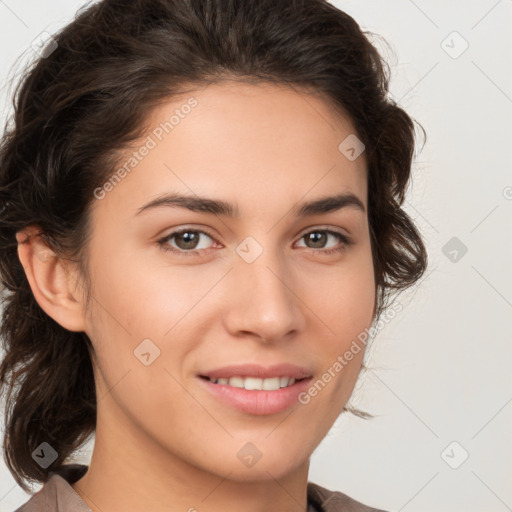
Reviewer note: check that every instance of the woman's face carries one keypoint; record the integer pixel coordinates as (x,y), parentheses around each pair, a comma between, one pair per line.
(263,285)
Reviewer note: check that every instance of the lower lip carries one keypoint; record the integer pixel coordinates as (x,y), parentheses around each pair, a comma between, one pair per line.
(258,402)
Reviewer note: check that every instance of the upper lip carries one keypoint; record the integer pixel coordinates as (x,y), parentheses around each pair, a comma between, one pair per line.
(255,370)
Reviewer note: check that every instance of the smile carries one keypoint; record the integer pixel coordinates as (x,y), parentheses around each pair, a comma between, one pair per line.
(256,383)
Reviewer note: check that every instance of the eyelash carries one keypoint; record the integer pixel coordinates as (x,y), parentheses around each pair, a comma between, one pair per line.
(346,242)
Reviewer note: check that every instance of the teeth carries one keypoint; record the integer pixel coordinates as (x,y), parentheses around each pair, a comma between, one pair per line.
(270,384)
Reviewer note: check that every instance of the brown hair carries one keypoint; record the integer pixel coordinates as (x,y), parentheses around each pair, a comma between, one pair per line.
(78,106)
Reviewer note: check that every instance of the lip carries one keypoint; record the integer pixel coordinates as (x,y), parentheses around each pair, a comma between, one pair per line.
(255,370)
(257,402)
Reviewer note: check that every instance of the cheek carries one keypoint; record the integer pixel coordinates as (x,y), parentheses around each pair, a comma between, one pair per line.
(140,294)
(345,299)
(347,312)
(133,304)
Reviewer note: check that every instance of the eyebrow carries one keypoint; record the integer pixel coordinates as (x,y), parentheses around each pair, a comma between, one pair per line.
(319,206)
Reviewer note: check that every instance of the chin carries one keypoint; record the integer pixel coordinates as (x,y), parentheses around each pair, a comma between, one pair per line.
(271,464)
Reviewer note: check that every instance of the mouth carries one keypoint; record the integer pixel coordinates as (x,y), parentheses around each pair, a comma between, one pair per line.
(255,383)
(256,395)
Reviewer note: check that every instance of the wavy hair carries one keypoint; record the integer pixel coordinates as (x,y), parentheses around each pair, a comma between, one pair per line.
(78,106)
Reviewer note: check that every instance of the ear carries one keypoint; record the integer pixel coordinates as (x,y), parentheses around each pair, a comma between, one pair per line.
(54,287)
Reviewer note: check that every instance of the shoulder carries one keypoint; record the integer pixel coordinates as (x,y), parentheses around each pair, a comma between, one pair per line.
(334,501)
(56,494)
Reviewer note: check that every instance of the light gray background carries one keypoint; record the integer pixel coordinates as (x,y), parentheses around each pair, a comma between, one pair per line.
(440,371)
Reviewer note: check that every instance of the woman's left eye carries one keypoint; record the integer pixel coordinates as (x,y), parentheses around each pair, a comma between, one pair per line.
(312,236)
(188,240)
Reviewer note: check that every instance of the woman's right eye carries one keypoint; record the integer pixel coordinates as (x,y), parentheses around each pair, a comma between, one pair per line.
(186,238)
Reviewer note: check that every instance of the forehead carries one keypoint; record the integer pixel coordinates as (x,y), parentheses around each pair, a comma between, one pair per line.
(252,142)
(261,110)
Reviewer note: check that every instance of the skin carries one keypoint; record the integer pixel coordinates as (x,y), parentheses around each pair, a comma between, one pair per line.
(162,441)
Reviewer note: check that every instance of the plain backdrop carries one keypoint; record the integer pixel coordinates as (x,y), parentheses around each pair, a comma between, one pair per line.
(439,383)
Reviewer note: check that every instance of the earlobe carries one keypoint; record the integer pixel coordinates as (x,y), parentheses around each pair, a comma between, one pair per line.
(51,283)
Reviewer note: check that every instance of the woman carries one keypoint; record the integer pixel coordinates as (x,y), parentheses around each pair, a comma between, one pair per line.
(201,216)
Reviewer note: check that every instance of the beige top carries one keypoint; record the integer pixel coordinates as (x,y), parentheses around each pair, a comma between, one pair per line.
(57,495)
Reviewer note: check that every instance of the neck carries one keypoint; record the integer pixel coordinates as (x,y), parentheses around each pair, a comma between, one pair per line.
(130,472)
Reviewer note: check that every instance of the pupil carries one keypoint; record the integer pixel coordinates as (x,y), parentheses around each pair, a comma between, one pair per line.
(315,237)
(188,238)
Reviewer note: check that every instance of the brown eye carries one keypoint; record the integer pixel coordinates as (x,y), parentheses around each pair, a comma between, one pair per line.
(186,242)
(319,238)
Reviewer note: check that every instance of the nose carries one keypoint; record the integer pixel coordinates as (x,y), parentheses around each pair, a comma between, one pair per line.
(263,299)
